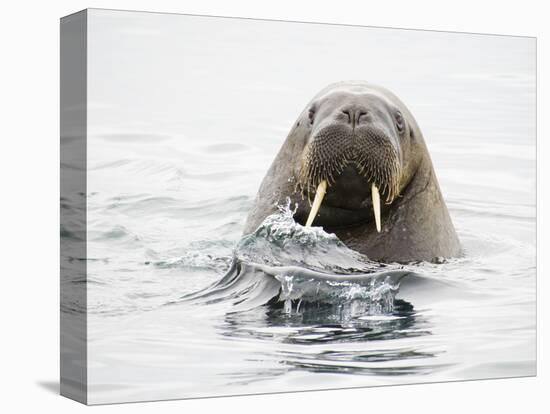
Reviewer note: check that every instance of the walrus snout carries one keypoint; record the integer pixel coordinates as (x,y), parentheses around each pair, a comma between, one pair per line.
(366,154)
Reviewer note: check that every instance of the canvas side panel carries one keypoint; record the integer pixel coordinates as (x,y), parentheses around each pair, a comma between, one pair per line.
(73,42)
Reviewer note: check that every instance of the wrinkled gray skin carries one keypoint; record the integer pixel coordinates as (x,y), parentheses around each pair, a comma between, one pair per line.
(415,226)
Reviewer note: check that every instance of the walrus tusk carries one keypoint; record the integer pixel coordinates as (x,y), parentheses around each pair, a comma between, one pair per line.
(375,205)
(319,195)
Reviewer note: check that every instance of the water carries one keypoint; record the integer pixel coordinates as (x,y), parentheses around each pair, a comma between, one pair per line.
(183,126)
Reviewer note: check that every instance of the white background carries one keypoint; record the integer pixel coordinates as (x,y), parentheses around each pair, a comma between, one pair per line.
(29,185)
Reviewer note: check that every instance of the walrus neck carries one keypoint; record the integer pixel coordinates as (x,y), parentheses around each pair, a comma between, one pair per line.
(422,179)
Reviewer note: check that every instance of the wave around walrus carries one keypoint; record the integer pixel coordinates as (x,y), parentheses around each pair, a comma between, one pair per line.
(301,269)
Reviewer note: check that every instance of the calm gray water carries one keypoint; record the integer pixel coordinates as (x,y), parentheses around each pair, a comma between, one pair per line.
(185,116)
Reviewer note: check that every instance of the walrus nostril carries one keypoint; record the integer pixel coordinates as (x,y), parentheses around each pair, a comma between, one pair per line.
(348,114)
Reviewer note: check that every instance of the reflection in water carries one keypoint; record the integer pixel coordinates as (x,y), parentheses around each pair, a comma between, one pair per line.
(322,325)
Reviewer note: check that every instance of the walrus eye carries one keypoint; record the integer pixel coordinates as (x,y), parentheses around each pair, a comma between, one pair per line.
(399,122)
(311,114)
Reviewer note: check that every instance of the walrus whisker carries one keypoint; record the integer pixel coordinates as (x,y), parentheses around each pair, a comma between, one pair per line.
(331,151)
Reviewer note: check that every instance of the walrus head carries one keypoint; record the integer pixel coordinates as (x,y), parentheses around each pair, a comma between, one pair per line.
(354,141)
(358,156)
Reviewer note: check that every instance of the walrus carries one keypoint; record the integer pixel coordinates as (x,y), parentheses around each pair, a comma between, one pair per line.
(355,162)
